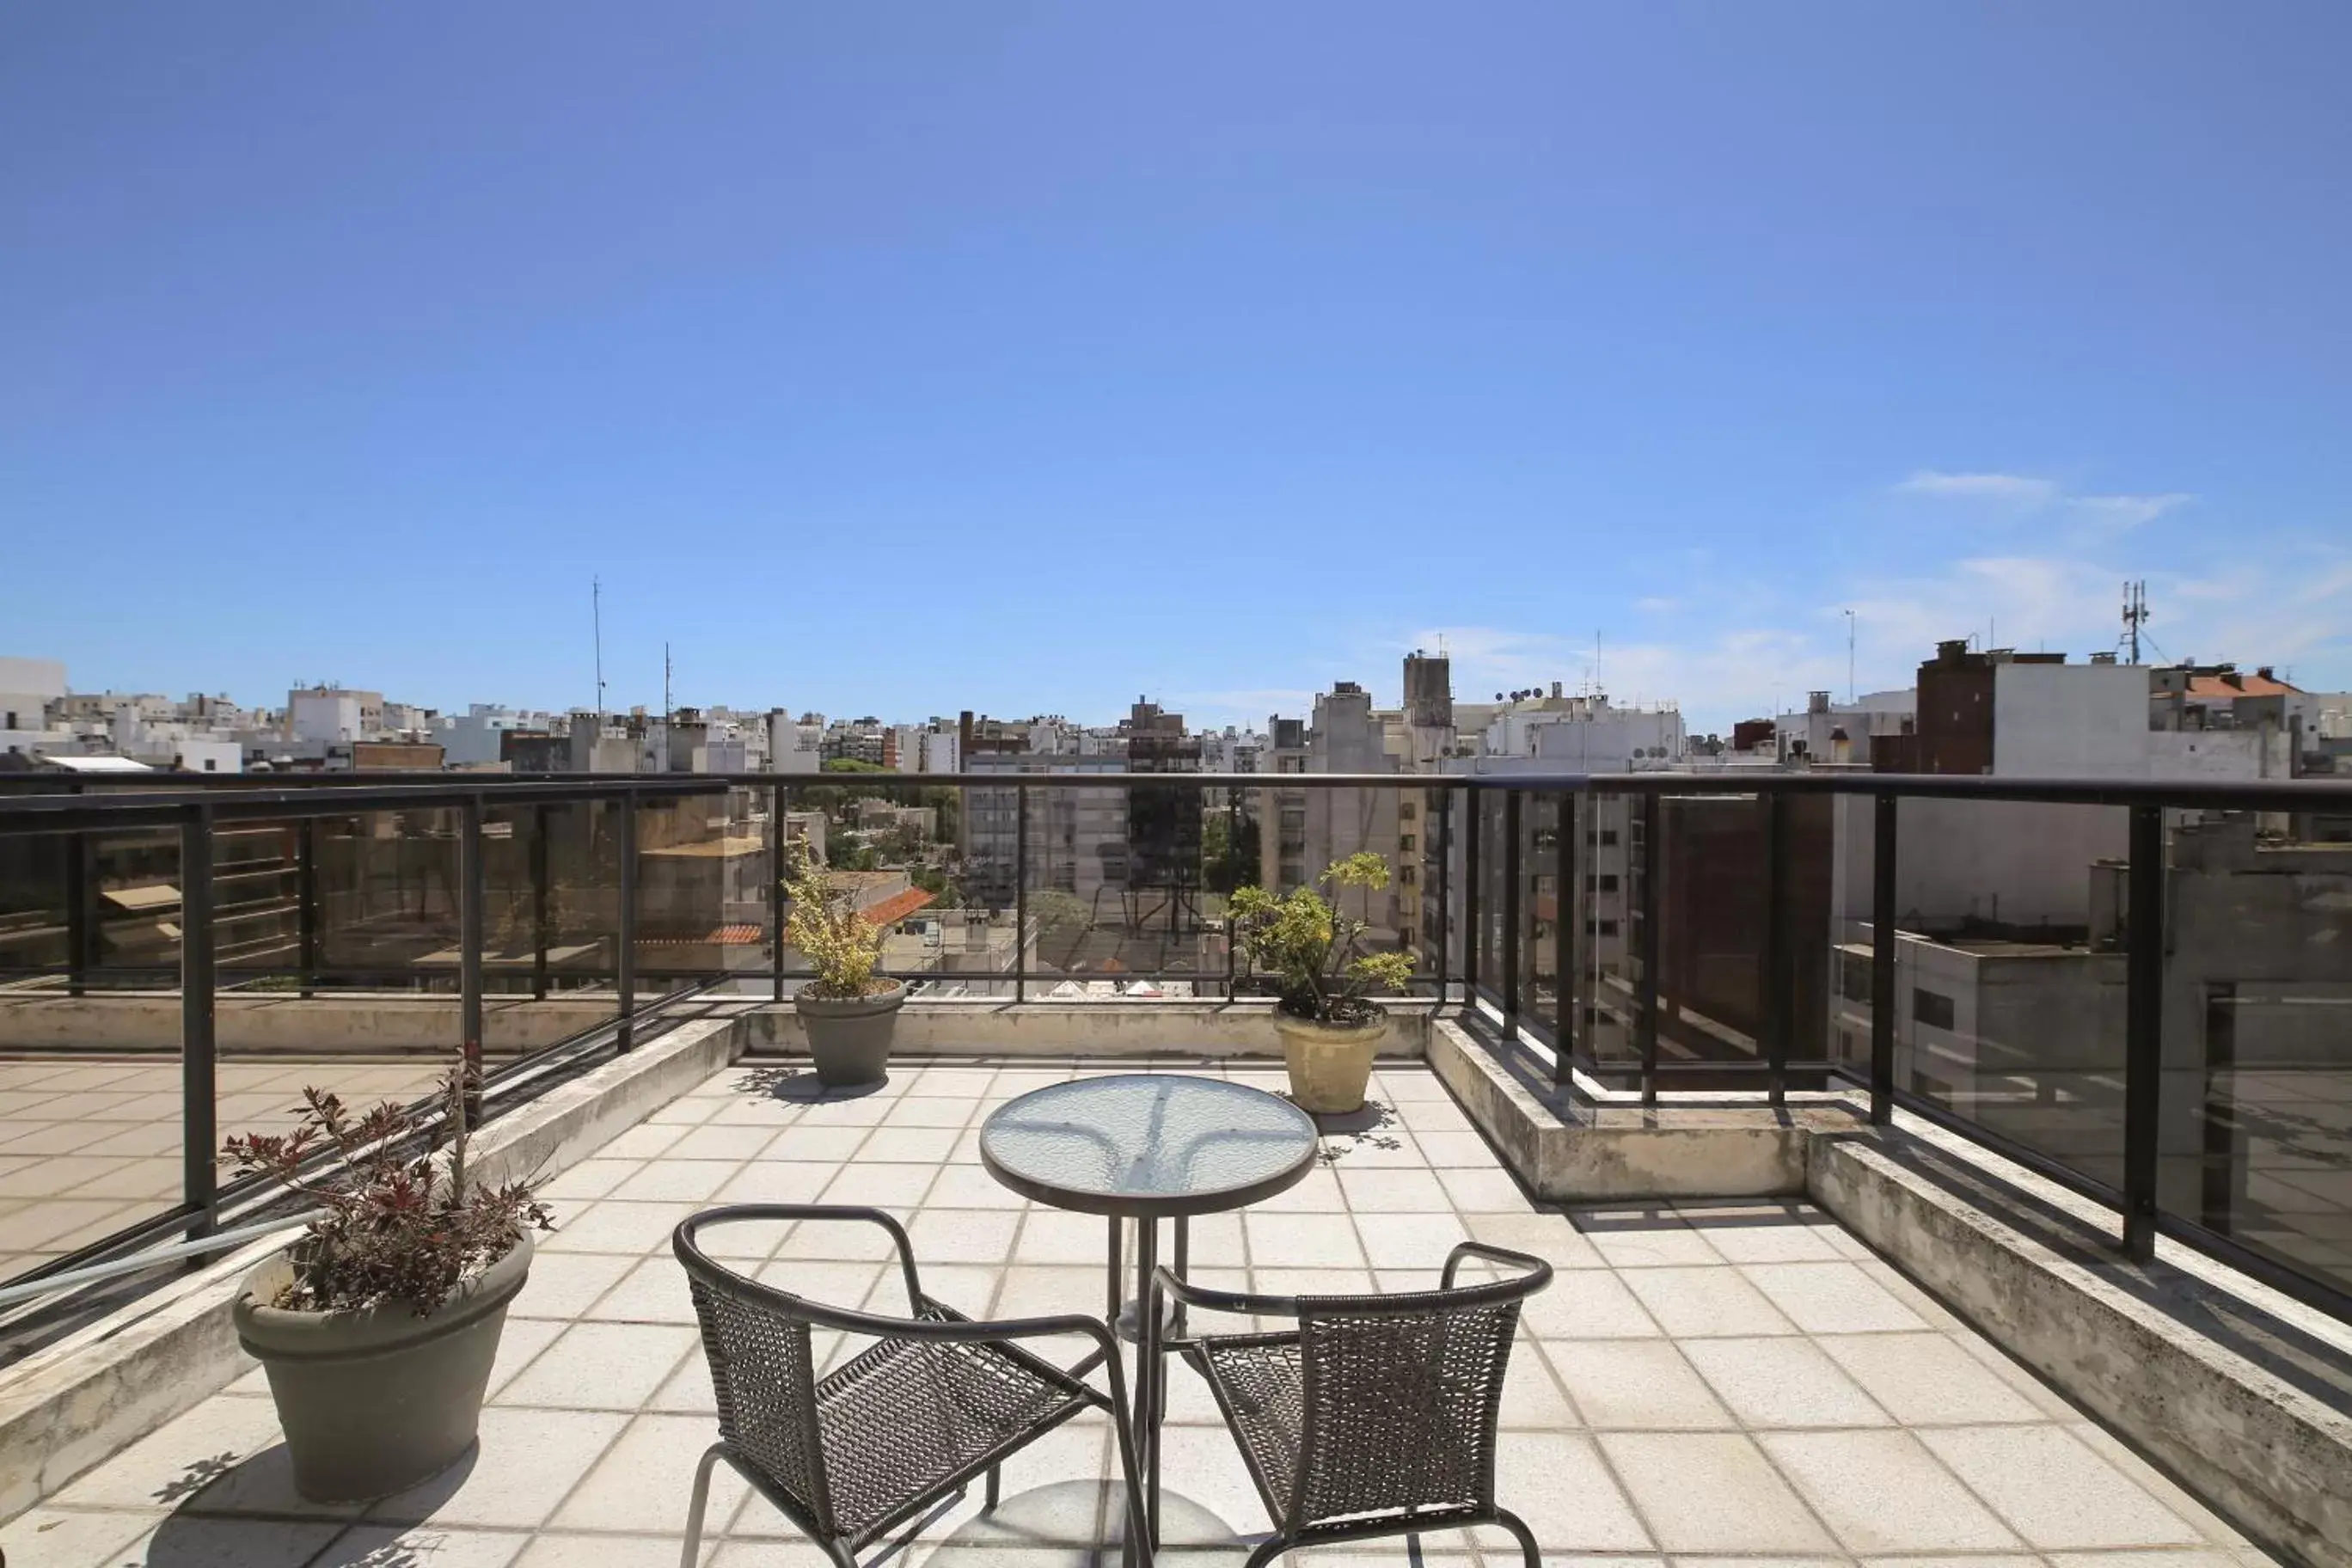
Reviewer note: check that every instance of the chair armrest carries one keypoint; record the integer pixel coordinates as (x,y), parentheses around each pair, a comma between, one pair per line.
(729,1213)
(1536,1273)
(1164,1282)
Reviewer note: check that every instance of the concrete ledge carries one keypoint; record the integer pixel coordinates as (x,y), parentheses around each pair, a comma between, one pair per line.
(244,1025)
(1572,1151)
(2120,1339)
(955,1026)
(78,1403)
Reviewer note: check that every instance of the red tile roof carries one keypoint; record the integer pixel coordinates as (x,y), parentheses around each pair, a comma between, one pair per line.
(2238,685)
(897,907)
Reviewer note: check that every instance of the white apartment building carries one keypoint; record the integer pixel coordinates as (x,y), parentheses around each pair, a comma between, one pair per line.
(27,687)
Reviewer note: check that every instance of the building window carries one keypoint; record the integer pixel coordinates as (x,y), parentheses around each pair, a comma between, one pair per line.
(1606,839)
(1600,928)
(1405,810)
(1406,875)
(1604,883)
(1853,978)
(1404,843)
(1404,936)
(1931,1008)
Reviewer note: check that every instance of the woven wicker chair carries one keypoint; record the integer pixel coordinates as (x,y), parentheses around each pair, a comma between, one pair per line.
(936,1400)
(1376,1417)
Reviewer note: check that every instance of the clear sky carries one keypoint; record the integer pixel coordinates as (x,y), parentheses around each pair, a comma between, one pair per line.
(902,358)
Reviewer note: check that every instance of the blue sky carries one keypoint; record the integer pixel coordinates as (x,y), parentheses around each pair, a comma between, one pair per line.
(902,359)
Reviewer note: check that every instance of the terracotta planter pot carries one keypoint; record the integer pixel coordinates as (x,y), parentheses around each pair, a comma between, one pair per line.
(850,1038)
(1328,1065)
(377,1400)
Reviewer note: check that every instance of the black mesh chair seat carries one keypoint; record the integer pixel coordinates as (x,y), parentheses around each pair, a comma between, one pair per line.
(909,1415)
(903,1424)
(1377,1416)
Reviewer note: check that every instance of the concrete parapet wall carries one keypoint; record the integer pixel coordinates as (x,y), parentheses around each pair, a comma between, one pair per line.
(85,1398)
(350,1026)
(1605,1153)
(982,1026)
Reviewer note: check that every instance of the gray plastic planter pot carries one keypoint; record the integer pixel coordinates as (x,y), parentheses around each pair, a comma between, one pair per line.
(850,1037)
(377,1400)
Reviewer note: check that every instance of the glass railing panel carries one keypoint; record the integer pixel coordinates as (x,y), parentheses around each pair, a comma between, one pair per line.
(2256,1141)
(2010,973)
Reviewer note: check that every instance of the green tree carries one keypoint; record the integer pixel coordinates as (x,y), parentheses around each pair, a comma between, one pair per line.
(1228,859)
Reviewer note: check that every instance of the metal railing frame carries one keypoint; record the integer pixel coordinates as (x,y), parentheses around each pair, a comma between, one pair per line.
(197,808)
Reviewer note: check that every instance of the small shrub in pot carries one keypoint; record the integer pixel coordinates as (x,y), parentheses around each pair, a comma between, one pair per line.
(1330,1025)
(378,1324)
(850,1013)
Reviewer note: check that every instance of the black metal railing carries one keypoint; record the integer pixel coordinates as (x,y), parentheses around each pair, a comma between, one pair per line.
(1914,936)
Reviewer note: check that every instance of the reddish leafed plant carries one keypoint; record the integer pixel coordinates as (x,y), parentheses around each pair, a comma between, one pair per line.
(396,1222)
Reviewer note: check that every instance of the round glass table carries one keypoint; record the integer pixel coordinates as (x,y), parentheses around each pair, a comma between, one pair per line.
(1147,1145)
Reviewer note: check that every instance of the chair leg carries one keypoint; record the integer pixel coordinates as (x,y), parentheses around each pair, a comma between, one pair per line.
(1519,1527)
(1268,1552)
(993,1470)
(694,1509)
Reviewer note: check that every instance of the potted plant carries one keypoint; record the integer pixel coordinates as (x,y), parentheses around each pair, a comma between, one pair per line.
(1329,1026)
(378,1323)
(849,1012)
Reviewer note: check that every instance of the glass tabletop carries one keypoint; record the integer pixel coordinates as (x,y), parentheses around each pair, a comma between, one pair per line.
(1149,1143)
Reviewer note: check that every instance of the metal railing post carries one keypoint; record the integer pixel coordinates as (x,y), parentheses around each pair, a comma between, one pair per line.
(542,935)
(472,878)
(305,902)
(199,1098)
(1444,799)
(1233,858)
(1511,932)
(1882,959)
(1020,892)
(1564,906)
(777,845)
(1647,1022)
(1776,989)
(626,979)
(81,908)
(2143,1030)
(1473,809)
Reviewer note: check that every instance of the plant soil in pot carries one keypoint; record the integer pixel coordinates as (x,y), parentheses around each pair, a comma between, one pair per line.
(849,1012)
(1330,1026)
(378,1324)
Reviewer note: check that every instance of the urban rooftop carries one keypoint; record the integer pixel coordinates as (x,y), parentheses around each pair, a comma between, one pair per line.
(1925,1118)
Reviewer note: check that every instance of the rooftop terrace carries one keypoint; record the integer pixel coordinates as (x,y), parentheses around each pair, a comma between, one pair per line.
(1704,1381)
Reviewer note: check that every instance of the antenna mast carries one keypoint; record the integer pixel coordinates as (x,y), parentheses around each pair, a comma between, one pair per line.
(2134,616)
(666,709)
(1849,658)
(596,612)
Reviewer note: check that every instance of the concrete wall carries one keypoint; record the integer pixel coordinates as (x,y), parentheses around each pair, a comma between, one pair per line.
(982,1026)
(291,1026)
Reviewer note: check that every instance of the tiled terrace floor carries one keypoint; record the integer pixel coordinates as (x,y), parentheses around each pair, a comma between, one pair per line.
(1701,1383)
(91,1146)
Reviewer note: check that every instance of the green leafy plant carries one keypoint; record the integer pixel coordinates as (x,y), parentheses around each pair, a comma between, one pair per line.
(1316,953)
(842,945)
(394,1222)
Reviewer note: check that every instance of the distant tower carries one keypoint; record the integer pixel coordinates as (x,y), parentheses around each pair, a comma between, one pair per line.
(1428,690)
(2134,616)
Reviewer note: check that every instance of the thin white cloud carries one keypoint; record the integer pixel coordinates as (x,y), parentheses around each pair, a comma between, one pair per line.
(2010,489)
(1657,606)
(2089,517)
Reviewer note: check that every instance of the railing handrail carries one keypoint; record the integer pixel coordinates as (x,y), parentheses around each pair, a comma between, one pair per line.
(287,795)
